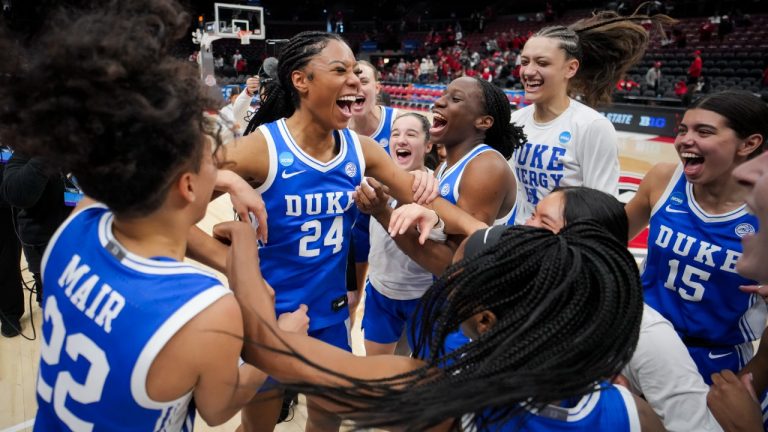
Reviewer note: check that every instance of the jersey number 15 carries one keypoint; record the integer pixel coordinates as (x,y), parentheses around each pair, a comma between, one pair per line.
(692,290)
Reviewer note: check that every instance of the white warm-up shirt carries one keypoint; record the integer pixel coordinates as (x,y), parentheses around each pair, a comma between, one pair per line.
(578,148)
(664,373)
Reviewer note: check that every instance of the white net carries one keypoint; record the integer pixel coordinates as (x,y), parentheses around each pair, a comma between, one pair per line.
(245,37)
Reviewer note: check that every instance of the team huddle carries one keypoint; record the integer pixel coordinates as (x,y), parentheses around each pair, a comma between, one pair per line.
(503,262)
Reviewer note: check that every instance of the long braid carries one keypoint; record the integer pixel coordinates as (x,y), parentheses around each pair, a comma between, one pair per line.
(503,136)
(568,310)
(280,96)
(606,46)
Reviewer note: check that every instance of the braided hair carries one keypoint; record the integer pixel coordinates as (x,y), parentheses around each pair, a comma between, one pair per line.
(568,310)
(606,46)
(503,136)
(280,97)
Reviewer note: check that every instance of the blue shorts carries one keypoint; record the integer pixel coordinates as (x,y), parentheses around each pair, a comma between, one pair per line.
(715,359)
(385,318)
(336,335)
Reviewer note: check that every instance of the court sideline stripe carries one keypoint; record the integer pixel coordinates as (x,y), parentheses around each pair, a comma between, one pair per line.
(20,426)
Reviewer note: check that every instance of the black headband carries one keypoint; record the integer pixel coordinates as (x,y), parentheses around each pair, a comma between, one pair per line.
(482,239)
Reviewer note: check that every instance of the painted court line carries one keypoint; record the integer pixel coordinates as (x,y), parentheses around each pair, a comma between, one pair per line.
(20,426)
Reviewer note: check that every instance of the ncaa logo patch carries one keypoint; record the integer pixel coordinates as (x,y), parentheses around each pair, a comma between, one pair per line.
(744,229)
(564,137)
(384,142)
(350,169)
(676,198)
(286,159)
(445,189)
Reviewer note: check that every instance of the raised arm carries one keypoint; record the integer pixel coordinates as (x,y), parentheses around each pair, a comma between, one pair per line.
(244,159)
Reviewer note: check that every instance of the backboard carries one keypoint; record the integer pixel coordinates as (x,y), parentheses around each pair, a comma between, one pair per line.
(230,19)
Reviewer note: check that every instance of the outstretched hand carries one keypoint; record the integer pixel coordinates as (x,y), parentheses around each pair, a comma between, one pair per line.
(760,290)
(409,215)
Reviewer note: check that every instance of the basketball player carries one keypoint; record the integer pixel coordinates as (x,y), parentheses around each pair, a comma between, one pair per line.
(472,121)
(131,334)
(308,181)
(526,346)
(375,121)
(395,282)
(569,143)
(697,219)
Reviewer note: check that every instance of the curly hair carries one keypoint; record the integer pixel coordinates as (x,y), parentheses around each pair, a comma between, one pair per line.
(568,308)
(606,46)
(101,97)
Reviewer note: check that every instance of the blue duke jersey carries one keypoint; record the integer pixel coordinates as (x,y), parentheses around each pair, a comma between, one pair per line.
(107,314)
(608,408)
(449,180)
(689,275)
(311,214)
(384,131)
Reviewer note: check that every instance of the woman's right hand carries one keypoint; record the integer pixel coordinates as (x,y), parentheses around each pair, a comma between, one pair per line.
(296,321)
(243,255)
(371,197)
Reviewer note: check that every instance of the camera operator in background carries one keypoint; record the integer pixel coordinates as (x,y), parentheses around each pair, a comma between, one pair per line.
(37,196)
(11,291)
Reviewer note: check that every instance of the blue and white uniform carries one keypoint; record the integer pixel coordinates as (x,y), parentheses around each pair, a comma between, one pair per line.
(107,314)
(361,244)
(689,276)
(311,213)
(449,180)
(608,408)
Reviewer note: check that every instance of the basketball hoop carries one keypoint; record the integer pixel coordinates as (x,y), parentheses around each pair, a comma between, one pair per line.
(245,36)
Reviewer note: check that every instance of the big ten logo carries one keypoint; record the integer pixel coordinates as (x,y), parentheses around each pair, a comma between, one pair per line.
(628,184)
(655,122)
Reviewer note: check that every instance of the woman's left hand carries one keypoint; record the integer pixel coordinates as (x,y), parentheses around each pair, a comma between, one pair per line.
(424,188)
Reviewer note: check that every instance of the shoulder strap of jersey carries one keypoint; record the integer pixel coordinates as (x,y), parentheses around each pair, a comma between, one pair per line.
(272,154)
(55,237)
(631,407)
(353,141)
(670,187)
